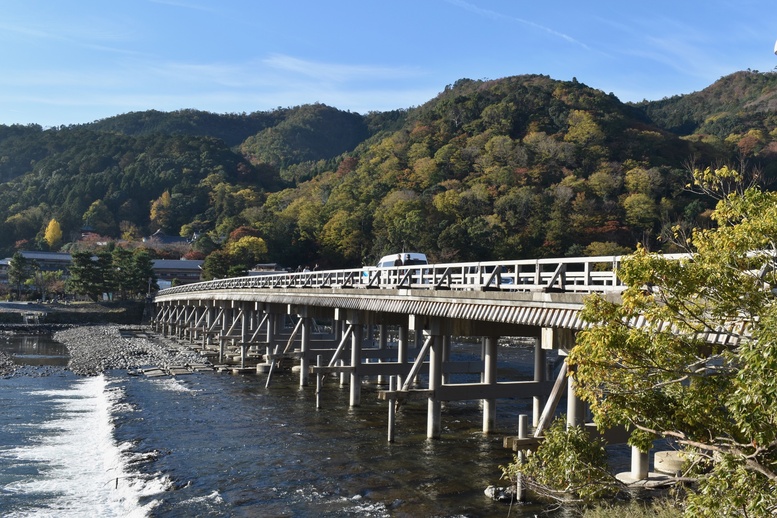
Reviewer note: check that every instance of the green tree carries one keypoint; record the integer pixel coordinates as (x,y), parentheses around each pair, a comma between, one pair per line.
(583,129)
(342,239)
(46,282)
(20,269)
(667,379)
(246,252)
(569,464)
(85,276)
(216,265)
(143,277)
(161,211)
(100,218)
(641,211)
(123,267)
(645,181)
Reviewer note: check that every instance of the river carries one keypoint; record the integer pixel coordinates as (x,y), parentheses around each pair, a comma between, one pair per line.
(211,444)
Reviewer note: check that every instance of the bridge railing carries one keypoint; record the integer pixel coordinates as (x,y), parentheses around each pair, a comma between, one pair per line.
(579,275)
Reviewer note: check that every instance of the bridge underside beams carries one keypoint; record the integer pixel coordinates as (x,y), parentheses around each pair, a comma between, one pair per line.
(504,389)
(239,322)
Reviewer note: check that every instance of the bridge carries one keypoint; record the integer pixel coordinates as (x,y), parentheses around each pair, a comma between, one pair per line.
(339,323)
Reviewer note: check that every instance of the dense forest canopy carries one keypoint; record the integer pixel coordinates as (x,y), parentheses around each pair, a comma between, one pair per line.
(523,166)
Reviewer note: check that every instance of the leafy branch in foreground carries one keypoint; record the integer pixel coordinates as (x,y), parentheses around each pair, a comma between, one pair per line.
(699,368)
(569,466)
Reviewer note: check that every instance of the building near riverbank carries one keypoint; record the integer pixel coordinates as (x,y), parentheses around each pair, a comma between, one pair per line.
(46,261)
(167,271)
(171,272)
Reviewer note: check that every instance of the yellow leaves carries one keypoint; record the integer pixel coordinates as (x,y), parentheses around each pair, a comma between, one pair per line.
(249,248)
(160,206)
(583,129)
(53,234)
(716,180)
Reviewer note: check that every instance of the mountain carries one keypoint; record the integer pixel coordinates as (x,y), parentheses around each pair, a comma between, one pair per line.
(739,102)
(232,128)
(523,166)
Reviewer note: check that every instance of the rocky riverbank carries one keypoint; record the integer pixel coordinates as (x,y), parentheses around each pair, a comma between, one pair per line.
(94,349)
(7,365)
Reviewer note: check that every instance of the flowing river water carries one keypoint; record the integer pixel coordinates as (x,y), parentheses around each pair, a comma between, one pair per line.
(211,444)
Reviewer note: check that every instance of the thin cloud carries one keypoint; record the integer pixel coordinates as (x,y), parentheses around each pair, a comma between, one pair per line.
(680,46)
(487,13)
(335,72)
(26,31)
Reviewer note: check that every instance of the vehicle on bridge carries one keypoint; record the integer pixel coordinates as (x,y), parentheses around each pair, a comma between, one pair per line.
(407,258)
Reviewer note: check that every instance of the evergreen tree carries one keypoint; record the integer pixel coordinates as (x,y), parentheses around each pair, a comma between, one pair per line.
(143,277)
(85,276)
(20,270)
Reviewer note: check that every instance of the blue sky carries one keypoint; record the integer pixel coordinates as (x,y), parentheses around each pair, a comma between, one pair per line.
(76,61)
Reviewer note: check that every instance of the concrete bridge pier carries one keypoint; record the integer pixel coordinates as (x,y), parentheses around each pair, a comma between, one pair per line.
(158,324)
(402,336)
(446,356)
(490,344)
(171,320)
(438,329)
(356,359)
(183,322)
(304,360)
(575,406)
(245,320)
(563,340)
(166,317)
(540,374)
(382,345)
(222,341)
(434,406)
(211,321)
(196,320)
(188,324)
(270,330)
(180,322)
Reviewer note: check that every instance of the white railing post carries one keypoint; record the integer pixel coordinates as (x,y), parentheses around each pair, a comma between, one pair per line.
(570,274)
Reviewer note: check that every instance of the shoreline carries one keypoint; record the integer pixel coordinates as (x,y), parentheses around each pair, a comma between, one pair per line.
(94,349)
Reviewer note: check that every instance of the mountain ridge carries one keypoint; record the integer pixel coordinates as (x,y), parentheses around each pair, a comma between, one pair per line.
(519,166)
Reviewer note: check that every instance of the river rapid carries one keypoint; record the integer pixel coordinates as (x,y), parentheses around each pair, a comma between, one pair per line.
(216,444)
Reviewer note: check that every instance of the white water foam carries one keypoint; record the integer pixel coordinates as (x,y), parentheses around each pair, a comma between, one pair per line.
(84,470)
(172,385)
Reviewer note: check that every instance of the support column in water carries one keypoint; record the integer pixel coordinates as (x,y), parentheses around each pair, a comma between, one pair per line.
(402,350)
(382,344)
(540,374)
(575,406)
(489,378)
(356,359)
(434,417)
(304,360)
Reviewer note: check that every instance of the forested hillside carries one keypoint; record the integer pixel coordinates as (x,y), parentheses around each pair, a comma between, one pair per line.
(734,105)
(524,166)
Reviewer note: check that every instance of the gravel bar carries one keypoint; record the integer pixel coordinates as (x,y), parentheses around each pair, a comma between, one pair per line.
(95,349)
(7,365)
